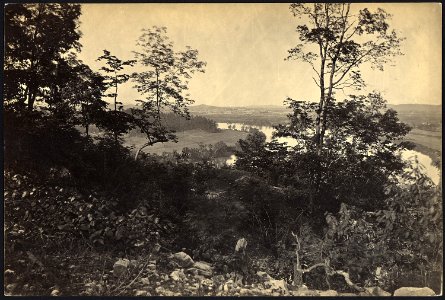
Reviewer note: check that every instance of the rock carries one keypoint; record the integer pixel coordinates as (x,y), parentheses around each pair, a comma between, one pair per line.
(163,292)
(133,263)
(263,276)
(145,281)
(198,272)
(241,245)
(192,271)
(140,293)
(347,295)
(245,292)
(311,293)
(183,259)
(377,291)
(202,265)
(414,291)
(201,268)
(177,275)
(328,293)
(120,267)
(11,287)
(151,267)
(277,286)
(55,292)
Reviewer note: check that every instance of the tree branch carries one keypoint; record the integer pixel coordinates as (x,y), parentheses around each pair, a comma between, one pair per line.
(333,272)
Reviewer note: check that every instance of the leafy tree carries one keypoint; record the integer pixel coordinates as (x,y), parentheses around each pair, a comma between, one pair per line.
(336,41)
(37,38)
(261,158)
(87,90)
(360,154)
(118,121)
(164,83)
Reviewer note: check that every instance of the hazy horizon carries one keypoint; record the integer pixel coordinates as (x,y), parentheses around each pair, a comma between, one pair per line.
(245,44)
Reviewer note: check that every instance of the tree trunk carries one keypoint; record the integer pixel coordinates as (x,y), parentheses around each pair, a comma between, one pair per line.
(140,149)
(298,272)
(32,98)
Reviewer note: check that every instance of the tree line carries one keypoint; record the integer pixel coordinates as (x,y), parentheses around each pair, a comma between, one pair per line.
(43,78)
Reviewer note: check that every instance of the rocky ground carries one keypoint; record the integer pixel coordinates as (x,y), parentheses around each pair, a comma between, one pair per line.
(178,275)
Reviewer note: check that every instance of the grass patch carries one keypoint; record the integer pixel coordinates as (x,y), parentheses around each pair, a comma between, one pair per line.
(190,139)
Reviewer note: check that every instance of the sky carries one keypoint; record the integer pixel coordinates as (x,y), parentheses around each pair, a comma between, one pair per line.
(244,45)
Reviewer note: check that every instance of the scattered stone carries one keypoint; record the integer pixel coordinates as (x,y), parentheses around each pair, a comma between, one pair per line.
(198,272)
(277,285)
(133,263)
(120,267)
(151,267)
(241,245)
(311,293)
(141,293)
(328,293)
(145,281)
(414,291)
(55,292)
(183,259)
(263,276)
(163,292)
(202,265)
(11,287)
(192,271)
(178,275)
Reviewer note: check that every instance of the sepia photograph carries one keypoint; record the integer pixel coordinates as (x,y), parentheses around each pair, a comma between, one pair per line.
(222,149)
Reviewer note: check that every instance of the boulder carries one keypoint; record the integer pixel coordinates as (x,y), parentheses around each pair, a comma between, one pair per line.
(277,285)
(183,259)
(120,267)
(414,291)
(328,293)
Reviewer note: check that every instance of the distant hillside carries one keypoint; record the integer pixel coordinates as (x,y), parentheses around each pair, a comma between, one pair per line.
(422,116)
(267,115)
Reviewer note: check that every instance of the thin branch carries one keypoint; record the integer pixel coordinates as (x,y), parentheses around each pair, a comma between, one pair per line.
(316,82)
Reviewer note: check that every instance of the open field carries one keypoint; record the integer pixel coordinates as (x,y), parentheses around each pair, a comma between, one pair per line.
(190,139)
(429,139)
(427,142)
